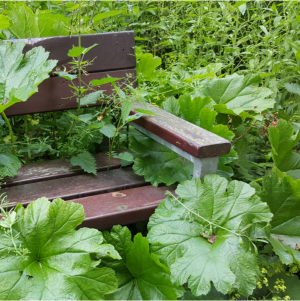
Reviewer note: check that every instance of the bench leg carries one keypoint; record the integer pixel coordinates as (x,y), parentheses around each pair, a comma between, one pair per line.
(202,166)
(205,166)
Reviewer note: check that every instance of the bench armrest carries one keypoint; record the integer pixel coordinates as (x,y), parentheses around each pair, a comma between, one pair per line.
(197,145)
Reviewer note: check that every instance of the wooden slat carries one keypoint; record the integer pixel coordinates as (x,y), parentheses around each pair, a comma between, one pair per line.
(114,51)
(54,90)
(55,169)
(104,211)
(74,187)
(183,134)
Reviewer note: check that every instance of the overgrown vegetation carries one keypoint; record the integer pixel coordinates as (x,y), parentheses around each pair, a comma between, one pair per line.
(229,67)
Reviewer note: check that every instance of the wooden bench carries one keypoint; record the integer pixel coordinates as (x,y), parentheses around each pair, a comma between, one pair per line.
(136,199)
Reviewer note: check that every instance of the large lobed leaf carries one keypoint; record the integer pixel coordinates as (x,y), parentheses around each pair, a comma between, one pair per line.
(140,274)
(160,165)
(282,194)
(283,141)
(146,66)
(19,75)
(25,24)
(61,262)
(176,233)
(235,94)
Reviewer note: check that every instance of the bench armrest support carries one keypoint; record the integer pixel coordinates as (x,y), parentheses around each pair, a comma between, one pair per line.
(195,144)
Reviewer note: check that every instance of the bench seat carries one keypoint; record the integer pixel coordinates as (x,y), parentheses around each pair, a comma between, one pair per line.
(135,201)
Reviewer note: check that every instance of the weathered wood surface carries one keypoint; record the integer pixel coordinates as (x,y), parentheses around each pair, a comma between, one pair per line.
(183,134)
(114,50)
(70,188)
(55,169)
(105,210)
(54,92)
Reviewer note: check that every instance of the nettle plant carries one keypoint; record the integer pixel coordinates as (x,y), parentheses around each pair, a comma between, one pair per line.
(116,108)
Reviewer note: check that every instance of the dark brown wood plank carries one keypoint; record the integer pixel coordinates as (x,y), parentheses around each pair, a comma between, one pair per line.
(55,169)
(114,51)
(183,134)
(54,91)
(74,187)
(104,211)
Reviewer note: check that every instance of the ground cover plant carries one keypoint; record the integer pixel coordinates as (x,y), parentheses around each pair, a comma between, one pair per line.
(229,67)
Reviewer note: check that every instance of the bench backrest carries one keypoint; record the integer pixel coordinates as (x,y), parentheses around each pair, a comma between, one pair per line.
(114,56)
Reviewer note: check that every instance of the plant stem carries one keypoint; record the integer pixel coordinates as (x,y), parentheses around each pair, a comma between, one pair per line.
(244,133)
(79,69)
(9,127)
(112,144)
(209,222)
(26,124)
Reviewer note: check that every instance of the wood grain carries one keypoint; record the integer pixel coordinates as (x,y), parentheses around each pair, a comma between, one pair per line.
(136,205)
(55,169)
(114,50)
(54,93)
(70,188)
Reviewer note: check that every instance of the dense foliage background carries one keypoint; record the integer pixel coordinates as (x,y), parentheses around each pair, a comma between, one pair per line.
(230,67)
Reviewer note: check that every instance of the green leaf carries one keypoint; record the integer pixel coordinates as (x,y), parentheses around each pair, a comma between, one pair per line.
(140,274)
(207,120)
(25,24)
(91,98)
(161,165)
(103,81)
(108,130)
(292,284)
(85,117)
(9,165)
(125,109)
(175,235)
(239,3)
(66,75)
(20,76)
(282,194)
(126,158)
(243,8)
(190,108)
(176,171)
(133,117)
(86,161)
(146,65)
(51,24)
(238,93)
(171,105)
(212,295)
(76,51)
(61,262)
(293,88)
(283,141)
(4,22)
(86,50)
(107,15)
(144,111)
